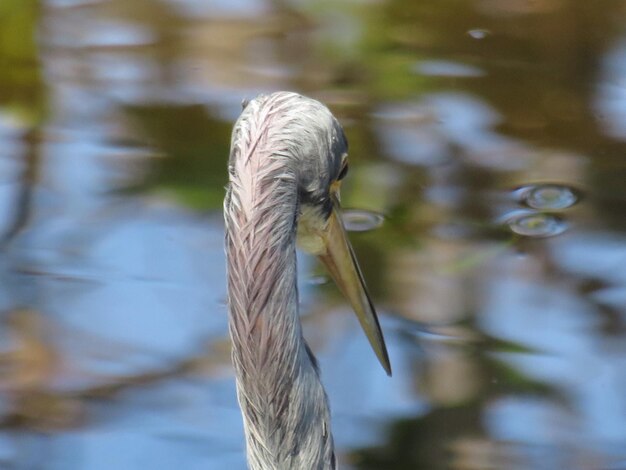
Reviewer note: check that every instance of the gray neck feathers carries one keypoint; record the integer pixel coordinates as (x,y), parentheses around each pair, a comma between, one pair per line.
(284,406)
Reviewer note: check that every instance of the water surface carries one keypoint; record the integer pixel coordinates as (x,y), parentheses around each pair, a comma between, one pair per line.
(487,194)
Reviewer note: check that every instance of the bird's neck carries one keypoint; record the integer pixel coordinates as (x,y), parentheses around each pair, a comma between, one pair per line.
(283,402)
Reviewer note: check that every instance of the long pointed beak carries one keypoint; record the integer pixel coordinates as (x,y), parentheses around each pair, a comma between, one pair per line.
(342,264)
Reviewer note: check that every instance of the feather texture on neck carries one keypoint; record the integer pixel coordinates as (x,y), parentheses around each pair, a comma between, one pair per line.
(284,406)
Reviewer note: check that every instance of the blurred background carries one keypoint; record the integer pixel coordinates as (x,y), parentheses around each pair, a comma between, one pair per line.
(487,197)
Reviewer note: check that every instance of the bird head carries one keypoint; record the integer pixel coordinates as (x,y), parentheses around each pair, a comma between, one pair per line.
(314,143)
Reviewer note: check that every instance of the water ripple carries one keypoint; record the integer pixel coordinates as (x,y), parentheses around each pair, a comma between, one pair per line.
(536,224)
(317,280)
(479,33)
(360,220)
(548,196)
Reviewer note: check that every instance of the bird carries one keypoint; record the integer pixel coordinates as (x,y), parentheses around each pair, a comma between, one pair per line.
(287,159)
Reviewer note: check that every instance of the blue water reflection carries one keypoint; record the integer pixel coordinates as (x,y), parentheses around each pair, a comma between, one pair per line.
(585,370)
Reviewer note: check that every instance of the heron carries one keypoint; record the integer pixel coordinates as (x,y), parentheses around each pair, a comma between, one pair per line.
(287,159)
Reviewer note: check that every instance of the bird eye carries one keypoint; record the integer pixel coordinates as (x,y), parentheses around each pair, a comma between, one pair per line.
(343,172)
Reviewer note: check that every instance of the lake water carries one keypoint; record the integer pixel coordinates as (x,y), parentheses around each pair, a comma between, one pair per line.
(487,197)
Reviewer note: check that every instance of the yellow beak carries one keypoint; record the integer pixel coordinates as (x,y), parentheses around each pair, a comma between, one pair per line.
(340,261)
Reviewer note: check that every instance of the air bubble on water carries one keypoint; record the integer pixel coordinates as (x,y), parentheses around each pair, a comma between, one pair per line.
(317,280)
(536,224)
(479,33)
(359,220)
(549,196)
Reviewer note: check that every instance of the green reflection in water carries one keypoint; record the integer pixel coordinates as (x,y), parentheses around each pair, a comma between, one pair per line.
(22,89)
(196,146)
